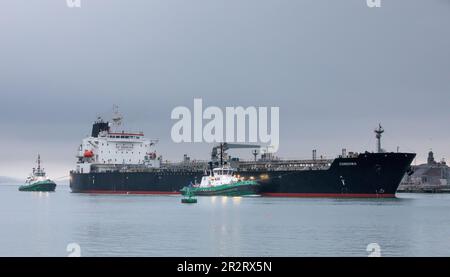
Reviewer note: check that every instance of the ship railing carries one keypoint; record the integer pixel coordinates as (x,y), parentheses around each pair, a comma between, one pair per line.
(199,165)
(280,168)
(286,165)
(166,167)
(185,165)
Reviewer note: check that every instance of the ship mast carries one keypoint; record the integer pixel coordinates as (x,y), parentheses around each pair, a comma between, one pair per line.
(255,154)
(117,117)
(221,154)
(378,132)
(39,163)
(38,171)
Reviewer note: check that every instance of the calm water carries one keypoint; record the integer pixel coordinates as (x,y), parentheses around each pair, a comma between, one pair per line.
(43,224)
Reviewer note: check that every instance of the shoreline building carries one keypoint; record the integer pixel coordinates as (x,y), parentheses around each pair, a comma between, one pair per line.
(430,177)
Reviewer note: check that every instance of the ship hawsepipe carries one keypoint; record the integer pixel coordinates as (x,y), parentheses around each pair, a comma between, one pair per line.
(367,175)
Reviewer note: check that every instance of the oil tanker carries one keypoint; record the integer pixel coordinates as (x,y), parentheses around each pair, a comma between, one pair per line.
(114,161)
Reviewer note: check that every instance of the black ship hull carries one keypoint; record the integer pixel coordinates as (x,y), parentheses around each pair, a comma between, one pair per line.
(368,175)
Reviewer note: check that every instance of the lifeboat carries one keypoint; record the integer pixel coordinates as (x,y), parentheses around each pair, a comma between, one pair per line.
(88,154)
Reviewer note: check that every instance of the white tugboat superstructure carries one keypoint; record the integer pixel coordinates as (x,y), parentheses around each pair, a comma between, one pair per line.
(222,181)
(217,177)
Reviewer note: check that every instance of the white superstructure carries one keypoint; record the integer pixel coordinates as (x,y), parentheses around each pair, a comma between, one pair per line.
(38,174)
(108,146)
(218,176)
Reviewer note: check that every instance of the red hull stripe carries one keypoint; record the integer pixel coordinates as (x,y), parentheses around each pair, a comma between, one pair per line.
(274,194)
(330,195)
(125,134)
(130,192)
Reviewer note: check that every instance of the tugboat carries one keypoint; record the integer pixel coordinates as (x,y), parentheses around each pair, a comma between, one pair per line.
(37,181)
(221,181)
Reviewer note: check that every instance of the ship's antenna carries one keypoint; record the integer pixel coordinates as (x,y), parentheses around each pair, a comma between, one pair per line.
(221,154)
(39,163)
(117,116)
(255,154)
(379,131)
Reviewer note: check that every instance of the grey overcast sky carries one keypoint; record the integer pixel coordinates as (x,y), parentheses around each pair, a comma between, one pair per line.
(334,67)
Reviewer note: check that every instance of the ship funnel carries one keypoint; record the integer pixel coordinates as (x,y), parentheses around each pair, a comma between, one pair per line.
(98,127)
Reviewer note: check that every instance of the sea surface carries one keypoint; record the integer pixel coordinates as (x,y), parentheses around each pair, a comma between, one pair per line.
(64,223)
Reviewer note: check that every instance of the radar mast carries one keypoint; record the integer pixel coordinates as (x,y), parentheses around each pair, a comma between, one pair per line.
(378,132)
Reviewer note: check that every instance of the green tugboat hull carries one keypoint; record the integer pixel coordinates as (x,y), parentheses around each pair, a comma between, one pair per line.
(39,186)
(237,189)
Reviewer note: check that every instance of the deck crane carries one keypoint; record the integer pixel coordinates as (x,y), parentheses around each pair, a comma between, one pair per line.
(219,150)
